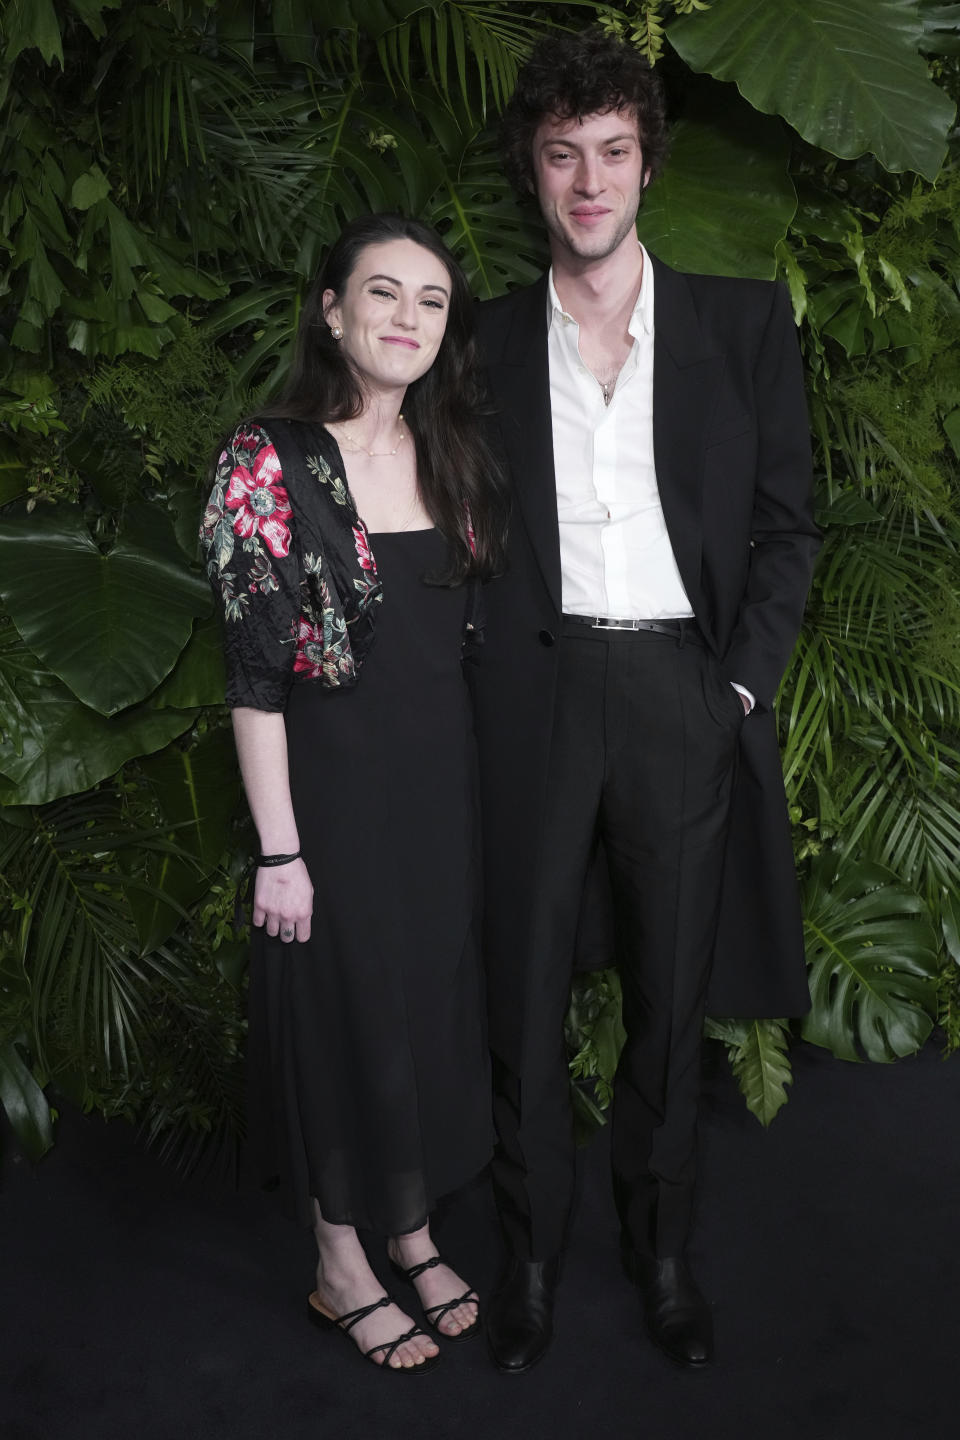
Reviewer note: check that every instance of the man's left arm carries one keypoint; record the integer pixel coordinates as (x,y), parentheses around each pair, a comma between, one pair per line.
(784,539)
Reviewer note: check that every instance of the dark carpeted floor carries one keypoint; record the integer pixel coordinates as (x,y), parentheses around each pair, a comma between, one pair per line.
(137,1305)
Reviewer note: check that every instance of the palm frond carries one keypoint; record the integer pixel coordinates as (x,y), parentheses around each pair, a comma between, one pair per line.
(193,1101)
(879,577)
(23,1100)
(903,810)
(879,596)
(79,945)
(166,112)
(813,710)
(465,47)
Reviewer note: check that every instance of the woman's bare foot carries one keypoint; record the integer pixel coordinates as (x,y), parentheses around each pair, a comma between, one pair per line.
(437,1285)
(345,1282)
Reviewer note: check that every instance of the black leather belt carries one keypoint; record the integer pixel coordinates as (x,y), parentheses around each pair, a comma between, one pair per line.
(684,630)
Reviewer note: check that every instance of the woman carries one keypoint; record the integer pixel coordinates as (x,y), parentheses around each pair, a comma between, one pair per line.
(346,534)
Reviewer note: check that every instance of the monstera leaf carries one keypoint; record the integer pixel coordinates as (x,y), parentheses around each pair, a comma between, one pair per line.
(497,242)
(725,199)
(757,1051)
(872,953)
(110,625)
(845,73)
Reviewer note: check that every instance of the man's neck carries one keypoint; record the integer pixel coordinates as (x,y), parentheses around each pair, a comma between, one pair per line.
(598,292)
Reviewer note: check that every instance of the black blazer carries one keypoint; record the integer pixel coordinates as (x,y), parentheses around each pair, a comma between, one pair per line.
(732,453)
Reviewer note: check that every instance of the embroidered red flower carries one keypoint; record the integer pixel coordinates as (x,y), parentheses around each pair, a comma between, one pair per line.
(261,502)
(363,548)
(309,656)
(248,439)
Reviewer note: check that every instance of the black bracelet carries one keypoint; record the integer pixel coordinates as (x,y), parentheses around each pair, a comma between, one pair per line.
(276,859)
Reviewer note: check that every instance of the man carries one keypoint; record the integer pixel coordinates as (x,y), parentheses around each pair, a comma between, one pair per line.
(662,543)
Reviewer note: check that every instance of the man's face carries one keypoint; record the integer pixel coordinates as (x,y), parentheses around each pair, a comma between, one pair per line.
(589,177)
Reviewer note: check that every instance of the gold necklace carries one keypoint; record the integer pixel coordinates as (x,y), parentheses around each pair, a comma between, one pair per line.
(377,454)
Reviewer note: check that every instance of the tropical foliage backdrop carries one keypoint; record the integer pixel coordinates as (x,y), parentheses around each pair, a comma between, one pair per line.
(169,175)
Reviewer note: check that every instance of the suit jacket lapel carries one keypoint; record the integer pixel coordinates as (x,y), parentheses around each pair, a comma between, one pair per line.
(686,375)
(520,381)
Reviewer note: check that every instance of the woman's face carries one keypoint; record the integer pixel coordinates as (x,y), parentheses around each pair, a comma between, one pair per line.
(393,313)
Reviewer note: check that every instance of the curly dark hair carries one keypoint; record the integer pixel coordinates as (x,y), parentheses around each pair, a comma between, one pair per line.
(459,478)
(572,76)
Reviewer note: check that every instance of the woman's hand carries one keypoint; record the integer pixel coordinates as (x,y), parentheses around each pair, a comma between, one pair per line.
(282,894)
(283,900)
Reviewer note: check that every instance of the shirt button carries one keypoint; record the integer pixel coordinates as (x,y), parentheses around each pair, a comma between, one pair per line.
(547,637)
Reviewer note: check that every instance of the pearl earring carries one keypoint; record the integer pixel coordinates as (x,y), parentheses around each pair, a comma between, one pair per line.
(336,332)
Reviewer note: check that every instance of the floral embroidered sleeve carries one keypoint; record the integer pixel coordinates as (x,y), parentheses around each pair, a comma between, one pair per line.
(247,535)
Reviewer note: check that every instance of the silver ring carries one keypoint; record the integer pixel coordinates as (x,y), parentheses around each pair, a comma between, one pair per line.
(287,934)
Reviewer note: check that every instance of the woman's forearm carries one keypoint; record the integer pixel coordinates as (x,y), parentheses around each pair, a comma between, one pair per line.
(282,895)
(261,741)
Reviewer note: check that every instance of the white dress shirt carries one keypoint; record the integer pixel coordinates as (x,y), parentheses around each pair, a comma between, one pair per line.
(615,555)
(616,559)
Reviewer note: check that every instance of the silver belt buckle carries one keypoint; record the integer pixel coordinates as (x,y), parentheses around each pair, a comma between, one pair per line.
(603,623)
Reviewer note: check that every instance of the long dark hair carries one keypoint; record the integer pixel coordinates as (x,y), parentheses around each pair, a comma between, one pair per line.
(460,482)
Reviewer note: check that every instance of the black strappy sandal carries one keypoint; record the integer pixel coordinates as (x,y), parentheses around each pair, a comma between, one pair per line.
(433,1314)
(345,1323)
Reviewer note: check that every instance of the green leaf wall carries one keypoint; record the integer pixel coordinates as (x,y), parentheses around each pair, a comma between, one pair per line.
(170,176)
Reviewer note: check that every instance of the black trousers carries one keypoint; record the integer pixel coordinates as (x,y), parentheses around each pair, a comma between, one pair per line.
(643,754)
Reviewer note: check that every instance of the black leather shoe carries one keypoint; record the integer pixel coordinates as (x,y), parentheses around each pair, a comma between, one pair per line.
(520,1314)
(678,1317)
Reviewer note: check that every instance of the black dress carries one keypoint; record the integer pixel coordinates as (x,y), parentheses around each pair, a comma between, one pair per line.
(367,1049)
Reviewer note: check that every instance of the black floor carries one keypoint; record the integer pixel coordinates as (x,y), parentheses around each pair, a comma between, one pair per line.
(135,1305)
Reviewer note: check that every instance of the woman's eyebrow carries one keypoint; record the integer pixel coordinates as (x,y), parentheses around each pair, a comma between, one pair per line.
(399,283)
